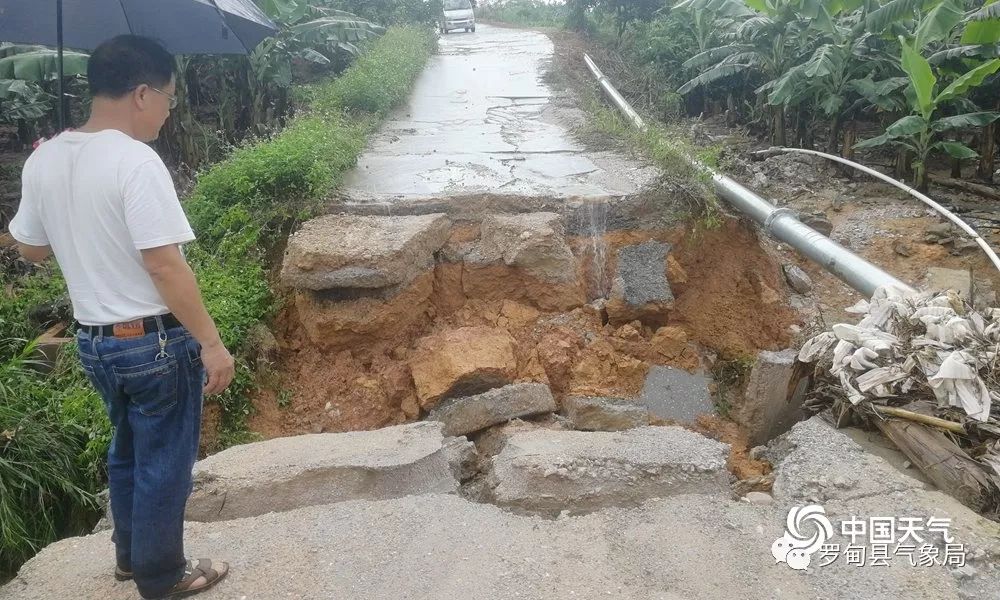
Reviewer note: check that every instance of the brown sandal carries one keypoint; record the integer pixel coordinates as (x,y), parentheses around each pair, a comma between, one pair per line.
(185,587)
(122,575)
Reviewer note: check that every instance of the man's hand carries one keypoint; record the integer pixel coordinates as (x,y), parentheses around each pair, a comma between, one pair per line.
(177,286)
(220,368)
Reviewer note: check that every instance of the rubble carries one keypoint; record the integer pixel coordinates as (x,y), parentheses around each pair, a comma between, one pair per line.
(939,279)
(772,400)
(288,473)
(923,369)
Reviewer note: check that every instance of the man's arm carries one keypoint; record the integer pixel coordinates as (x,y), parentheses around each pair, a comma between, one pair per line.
(35,254)
(177,286)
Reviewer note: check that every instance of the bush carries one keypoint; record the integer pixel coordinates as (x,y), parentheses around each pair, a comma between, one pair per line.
(534,13)
(43,288)
(382,77)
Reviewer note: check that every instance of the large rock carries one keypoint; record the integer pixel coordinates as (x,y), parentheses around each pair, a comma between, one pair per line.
(772,401)
(798,279)
(602,370)
(462,362)
(534,242)
(346,251)
(604,414)
(640,289)
(676,395)
(469,414)
(334,322)
(287,473)
(551,471)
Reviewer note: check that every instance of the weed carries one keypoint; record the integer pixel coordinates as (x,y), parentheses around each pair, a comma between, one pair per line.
(730,377)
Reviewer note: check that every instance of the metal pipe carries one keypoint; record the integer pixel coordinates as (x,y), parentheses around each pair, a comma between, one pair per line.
(618,99)
(780,223)
(909,190)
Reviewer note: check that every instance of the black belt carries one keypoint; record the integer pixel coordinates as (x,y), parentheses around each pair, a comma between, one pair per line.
(148,324)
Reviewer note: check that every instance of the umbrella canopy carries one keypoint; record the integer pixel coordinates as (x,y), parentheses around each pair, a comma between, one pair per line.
(182,26)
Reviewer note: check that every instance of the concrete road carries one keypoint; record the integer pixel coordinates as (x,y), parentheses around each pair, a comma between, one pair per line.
(481,120)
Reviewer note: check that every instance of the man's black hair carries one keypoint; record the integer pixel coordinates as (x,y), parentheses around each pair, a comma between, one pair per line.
(123,63)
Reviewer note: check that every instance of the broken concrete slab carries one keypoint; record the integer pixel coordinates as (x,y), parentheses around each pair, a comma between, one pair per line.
(534,242)
(677,395)
(798,279)
(462,362)
(772,400)
(348,251)
(552,471)
(640,289)
(288,473)
(469,414)
(940,279)
(605,414)
(816,463)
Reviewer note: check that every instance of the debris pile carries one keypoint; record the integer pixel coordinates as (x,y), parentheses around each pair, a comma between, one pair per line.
(925,370)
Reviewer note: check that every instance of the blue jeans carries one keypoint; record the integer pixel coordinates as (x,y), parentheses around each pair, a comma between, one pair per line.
(153,395)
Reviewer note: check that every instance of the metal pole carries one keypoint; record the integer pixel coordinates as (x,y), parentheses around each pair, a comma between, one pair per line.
(59,44)
(780,223)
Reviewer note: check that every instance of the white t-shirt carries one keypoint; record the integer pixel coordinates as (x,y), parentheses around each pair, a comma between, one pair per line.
(98,199)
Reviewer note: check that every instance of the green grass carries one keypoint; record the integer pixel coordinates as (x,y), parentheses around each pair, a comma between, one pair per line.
(54,436)
(669,148)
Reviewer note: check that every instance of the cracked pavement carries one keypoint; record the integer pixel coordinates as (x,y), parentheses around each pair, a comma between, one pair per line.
(481,120)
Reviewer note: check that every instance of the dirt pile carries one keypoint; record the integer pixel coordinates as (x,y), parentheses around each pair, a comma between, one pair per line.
(349,363)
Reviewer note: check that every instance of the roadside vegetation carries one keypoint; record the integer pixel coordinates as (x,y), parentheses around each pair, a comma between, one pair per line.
(913,80)
(263,140)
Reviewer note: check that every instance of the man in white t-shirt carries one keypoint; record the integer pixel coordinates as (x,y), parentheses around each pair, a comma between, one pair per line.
(104,204)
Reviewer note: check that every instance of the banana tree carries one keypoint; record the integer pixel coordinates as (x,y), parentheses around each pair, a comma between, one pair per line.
(709,19)
(767,43)
(27,74)
(851,68)
(921,131)
(310,33)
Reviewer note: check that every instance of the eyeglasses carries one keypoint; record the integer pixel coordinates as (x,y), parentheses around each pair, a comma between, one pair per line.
(171,97)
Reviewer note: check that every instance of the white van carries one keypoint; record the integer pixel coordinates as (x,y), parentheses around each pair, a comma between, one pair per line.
(458,14)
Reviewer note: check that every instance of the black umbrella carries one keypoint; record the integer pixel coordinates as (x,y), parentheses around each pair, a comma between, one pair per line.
(182,26)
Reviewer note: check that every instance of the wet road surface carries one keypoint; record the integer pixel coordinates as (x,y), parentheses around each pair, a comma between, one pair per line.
(481,120)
